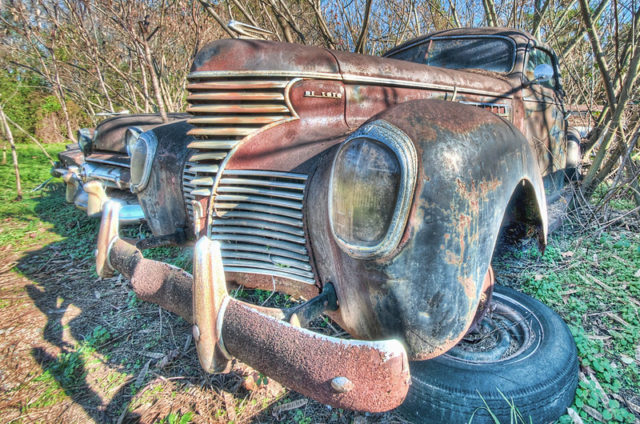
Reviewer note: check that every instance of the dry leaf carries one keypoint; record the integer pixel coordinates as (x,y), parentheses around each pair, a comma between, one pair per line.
(154,355)
(143,373)
(625,359)
(288,407)
(230,405)
(575,418)
(592,412)
(169,357)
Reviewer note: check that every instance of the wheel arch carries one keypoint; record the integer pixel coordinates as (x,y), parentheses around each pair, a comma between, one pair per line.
(470,164)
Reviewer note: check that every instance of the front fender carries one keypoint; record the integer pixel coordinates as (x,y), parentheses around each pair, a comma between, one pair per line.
(426,291)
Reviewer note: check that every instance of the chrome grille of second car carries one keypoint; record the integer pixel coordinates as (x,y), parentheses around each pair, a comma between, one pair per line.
(226,110)
(259,223)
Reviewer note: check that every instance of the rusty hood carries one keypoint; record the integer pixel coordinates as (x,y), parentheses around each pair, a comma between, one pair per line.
(237,56)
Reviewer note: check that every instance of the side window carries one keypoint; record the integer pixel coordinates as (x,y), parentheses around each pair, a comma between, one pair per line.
(538,57)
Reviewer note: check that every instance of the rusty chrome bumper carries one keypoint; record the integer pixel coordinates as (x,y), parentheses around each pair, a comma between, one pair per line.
(92,196)
(362,375)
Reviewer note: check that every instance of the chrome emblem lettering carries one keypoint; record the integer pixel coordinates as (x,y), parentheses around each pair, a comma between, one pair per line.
(323,94)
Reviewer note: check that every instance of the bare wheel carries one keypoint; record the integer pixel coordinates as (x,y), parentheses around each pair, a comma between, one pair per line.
(521,350)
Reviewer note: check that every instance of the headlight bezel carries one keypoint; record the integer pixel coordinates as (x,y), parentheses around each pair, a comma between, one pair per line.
(130,137)
(85,138)
(404,149)
(147,141)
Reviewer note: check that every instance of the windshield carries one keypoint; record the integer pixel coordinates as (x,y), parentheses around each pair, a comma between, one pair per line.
(488,53)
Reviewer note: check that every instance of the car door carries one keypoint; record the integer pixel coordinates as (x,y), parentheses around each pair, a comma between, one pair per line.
(545,126)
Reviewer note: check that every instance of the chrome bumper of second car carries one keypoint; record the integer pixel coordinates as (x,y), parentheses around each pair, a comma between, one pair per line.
(91,196)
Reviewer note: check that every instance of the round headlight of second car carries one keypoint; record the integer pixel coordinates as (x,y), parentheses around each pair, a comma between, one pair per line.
(142,152)
(85,140)
(371,189)
(130,137)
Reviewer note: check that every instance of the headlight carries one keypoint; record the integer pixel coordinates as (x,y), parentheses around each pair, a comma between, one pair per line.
(142,152)
(130,137)
(85,139)
(372,183)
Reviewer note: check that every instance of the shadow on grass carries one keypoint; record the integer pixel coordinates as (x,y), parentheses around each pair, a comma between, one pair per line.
(66,290)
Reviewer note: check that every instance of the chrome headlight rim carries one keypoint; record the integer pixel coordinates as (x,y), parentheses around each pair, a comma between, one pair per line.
(403,147)
(85,140)
(151,144)
(131,135)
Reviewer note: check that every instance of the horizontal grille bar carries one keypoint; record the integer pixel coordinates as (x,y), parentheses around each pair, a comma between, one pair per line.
(242,270)
(266,183)
(236,85)
(284,245)
(257,208)
(266,266)
(250,190)
(203,168)
(221,131)
(263,200)
(213,144)
(261,224)
(235,95)
(268,259)
(229,229)
(235,119)
(231,108)
(268,174)
(267,250)
(262,217)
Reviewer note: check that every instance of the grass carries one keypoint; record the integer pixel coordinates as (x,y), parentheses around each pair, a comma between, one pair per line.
(21,224)
(94,350)
(593,281)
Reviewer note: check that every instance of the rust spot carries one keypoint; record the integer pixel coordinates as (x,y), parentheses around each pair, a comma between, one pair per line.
(463,222)
(452,258)
(469,287)
(475,193)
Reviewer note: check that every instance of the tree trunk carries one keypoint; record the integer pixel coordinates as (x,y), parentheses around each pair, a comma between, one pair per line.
(362,37)
(63,103)
(490,12)
(154,80)
(14,154)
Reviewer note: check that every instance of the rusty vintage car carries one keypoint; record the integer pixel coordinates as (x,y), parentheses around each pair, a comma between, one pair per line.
(96,169)
(375,188)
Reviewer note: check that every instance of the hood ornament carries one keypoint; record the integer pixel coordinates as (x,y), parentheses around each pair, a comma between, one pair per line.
(248,31)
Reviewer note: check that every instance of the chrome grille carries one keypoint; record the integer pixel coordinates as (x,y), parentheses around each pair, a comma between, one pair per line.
(258,216)
(259,224)
(226,110)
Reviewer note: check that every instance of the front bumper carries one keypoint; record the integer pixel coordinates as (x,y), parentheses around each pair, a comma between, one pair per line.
(362,375)
(91,196)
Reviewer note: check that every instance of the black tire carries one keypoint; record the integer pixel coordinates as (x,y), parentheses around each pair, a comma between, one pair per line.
(538,373)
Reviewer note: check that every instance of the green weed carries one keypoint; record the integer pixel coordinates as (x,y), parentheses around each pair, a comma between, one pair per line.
(590,281)
(177,418)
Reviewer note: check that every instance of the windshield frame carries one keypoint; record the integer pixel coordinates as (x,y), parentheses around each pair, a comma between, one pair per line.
(394,52)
